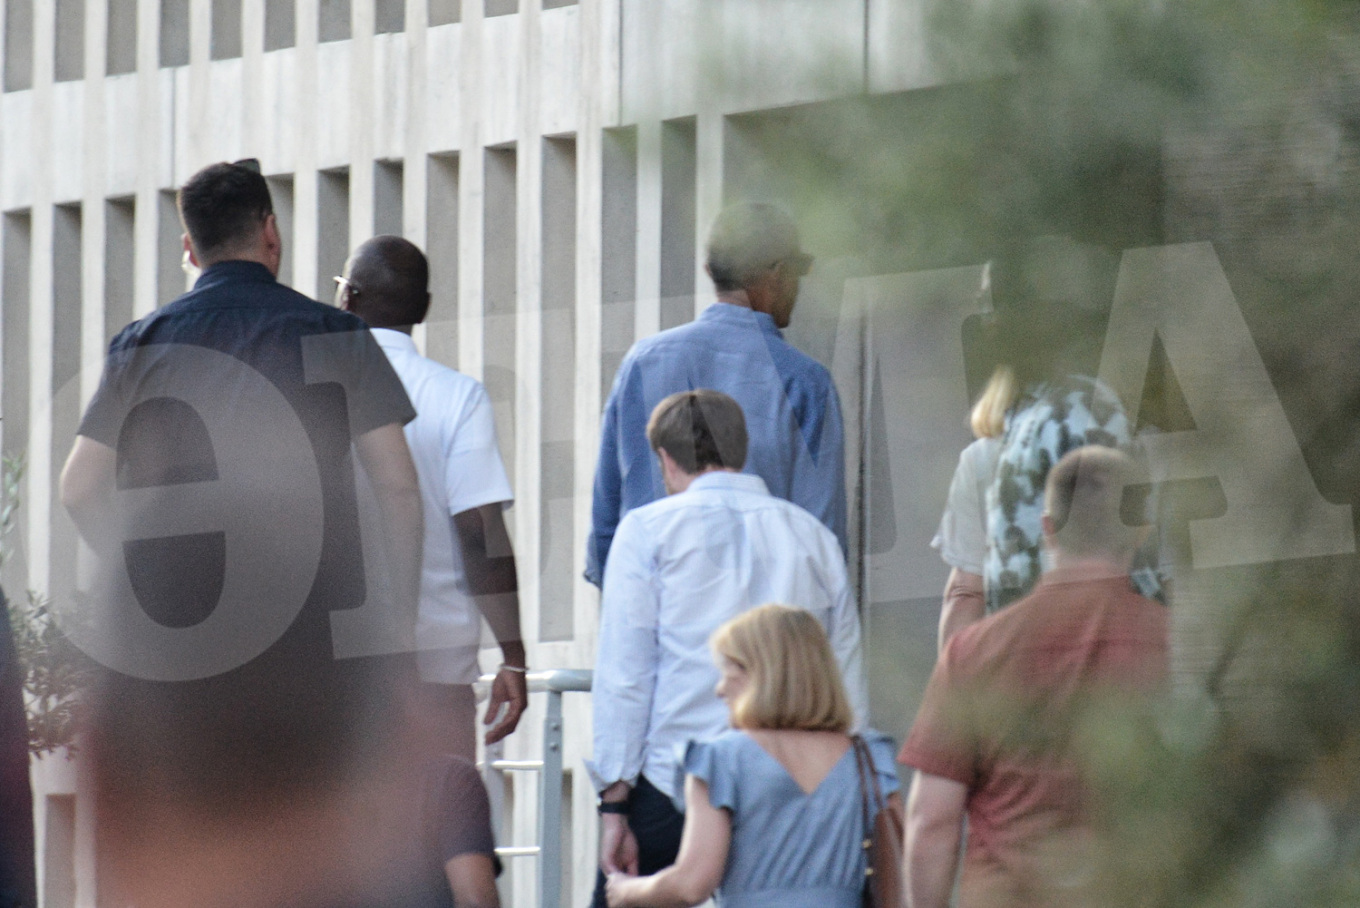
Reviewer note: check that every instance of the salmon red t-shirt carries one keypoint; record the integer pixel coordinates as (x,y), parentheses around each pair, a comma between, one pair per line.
(1005,714)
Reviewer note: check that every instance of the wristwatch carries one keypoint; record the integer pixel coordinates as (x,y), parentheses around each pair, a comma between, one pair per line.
(620,807)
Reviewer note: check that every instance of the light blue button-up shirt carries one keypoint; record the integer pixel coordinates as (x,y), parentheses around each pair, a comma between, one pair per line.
(680,567)
(793,418)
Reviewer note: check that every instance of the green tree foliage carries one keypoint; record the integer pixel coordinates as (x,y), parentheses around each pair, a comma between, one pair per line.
(55,671)
(1127,123)
(1237,123)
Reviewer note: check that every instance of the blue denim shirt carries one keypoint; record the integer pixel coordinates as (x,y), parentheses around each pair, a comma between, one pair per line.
(793,418)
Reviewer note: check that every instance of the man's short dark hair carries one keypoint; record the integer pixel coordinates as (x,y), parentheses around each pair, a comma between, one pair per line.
(389,283)
(748,238)
(221,207)
(1086,496)
(699,429)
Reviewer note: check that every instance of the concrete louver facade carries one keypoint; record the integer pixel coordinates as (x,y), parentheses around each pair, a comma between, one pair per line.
(559,160)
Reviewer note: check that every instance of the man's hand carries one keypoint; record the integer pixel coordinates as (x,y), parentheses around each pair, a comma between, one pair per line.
(618,890)
(618,847)
(511,691)
(489,563)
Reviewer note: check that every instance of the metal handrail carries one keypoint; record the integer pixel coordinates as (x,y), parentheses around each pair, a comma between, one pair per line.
(554,683)
(520,851)
(558,680)
(553,680)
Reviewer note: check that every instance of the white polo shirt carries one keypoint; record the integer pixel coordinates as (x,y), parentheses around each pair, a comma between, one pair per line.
(453,443)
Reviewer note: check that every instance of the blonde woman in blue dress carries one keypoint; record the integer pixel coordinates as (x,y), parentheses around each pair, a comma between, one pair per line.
(773,810)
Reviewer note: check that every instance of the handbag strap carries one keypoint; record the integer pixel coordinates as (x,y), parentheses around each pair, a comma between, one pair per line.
(868,776)
(871,798)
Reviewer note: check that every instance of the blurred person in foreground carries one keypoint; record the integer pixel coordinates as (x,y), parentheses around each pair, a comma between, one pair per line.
(447,857)
(736,346)
(469,567)
(433,840)
(238,732)
(18,873)
(718,546)
(1005,735)
(773,810)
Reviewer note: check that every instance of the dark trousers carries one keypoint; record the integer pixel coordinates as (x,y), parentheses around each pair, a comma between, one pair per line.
(443,720)
(656,825)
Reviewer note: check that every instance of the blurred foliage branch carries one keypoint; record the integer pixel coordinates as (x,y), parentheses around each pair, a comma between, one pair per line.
(56,673)
(1237,123)
(55,670)
(1129,123)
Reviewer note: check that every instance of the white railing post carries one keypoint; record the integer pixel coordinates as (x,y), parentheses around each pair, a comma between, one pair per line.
(549,847)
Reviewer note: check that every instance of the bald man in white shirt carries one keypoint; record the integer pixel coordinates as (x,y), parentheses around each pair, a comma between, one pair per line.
(469,567)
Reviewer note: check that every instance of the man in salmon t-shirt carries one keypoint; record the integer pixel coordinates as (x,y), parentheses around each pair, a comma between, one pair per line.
(994,739)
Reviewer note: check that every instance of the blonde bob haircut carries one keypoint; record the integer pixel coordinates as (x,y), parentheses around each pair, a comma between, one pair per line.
(793,679)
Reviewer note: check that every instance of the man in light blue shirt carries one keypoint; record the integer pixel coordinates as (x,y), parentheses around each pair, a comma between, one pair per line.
(793,415)
(720,545)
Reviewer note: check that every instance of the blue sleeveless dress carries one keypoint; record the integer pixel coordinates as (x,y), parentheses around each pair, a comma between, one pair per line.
(789,849)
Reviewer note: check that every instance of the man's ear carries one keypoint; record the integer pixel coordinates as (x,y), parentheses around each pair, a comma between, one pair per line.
(667,462)
(1050,529)
(189,248)
(762,291)
(273,242)
(672,477)
(271,231)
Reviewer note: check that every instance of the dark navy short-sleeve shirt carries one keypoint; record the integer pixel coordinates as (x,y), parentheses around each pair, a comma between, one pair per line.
(322,361)
(232,412)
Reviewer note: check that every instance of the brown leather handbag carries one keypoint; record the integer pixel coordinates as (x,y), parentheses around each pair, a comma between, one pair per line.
(883,887)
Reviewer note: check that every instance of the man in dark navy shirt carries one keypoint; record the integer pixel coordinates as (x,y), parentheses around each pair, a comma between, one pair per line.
(213,475)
